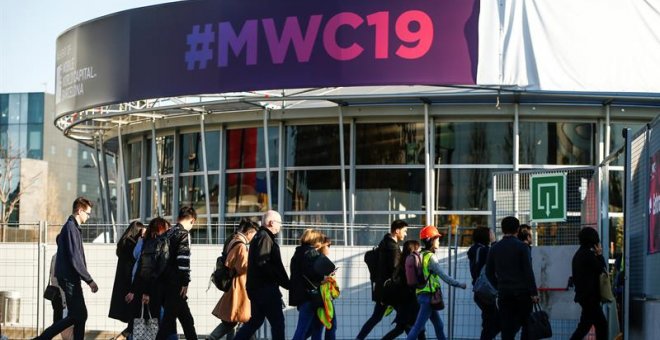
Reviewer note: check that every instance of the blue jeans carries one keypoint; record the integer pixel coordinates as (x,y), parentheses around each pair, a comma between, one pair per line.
(308,323)
(266,303)
(425,312)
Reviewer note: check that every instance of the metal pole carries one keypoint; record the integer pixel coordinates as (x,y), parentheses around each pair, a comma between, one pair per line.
(97,164)
(427,167)
(516,159)
(123,180)
(267,154)
(627,135)
(352,181)
(221,185)
(155,176)
(342,167)
(206,179)
(175,175)
(106,189)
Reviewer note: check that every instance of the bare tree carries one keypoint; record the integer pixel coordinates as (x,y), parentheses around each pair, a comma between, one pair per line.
(11,189)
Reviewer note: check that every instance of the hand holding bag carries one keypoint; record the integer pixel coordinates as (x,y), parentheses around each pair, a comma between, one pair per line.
(145,329)
(538,324)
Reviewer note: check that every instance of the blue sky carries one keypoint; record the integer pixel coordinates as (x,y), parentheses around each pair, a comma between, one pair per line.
(28,30)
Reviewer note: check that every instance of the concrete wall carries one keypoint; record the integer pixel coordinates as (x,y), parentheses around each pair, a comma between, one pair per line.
(19,265)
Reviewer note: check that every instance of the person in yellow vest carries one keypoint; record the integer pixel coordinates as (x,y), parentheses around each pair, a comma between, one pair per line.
(426,295)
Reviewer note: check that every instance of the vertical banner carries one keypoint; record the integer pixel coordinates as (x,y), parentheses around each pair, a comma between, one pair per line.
(654,204)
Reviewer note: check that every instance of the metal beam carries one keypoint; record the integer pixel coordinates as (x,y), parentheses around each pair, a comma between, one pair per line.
(207,196)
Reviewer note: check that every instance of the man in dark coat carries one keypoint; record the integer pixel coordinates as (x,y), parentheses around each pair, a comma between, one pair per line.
(71,268)
(265,275)
(388,257)
(588,264)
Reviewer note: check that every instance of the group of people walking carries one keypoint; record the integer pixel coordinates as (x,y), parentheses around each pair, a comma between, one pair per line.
(153,272)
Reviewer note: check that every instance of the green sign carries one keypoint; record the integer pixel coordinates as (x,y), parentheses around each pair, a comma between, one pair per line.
(548,195)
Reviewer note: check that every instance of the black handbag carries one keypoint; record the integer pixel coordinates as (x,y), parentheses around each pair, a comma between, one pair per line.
(538,324)
(51,292)
(314,294)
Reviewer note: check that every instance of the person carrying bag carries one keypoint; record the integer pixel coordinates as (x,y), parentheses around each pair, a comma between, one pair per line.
(145,329)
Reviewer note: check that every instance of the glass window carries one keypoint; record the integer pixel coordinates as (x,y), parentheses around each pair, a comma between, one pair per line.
(34,141)
(462,189)
(165,198)
(314,190)
(557,143)
(4,109)
(165,152)
(616,187)
(616,138)
(134,200)
(315,145)
(245,148)
(390,143)
(330,225)
(246,192)
(212,150)
(460,226)
(389,189)
(474,143)
(35,108)
(191,193)
(190,159)
(370,228)
(17,108)
(133,160)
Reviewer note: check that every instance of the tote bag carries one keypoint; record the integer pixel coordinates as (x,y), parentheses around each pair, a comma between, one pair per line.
(145,329)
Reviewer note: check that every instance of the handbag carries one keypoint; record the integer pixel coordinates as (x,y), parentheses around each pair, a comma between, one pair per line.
(51,292)
(538,324)
(437,302)
(314,294)
(606,294)
(145,329)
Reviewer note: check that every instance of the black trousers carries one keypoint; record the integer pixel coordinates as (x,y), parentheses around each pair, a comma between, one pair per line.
(77,312)
(514,315)
(490,319)
(176,307)
(592,314)
(266,303)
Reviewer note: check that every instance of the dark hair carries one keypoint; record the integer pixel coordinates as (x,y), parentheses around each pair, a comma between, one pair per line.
(588,236)
(81,203)
(130,236)
(525,226)
(398,224)
(524,235)
(187,212)
(408,248)
(428,243)
(157,226)
(246,225)
(510,225)
(481,235)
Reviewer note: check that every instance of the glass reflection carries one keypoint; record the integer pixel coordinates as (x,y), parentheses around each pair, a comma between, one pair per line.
(370,228)
(165,201)
(616,188)
(460,226)
(313,190)
(246,192)
(134,165)
(389,189)
(212,150)
(190,159)
(617,140)
(462,189)
(474,143)
(191,193)
(557,143)
(314,145)
(391,143)
(245,148)
(134,200)
(165,152)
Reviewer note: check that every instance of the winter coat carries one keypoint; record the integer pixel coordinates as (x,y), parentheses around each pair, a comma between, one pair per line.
(119,309)
(265,267)
(477,254)
(234,305)
(177,273)
(307,263)
(71,262)
(587,267)
(388,258)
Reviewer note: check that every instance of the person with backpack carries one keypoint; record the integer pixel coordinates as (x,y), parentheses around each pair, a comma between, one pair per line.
(70,270)
(429,294)
(119,309)
(177,278)
(234,305)
(387,256)
(265,275)
(509,269)
(406,306)
(477,254)
(148,283)
(309,267)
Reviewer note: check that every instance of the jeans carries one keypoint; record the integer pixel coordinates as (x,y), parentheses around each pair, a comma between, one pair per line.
(425,312)
(176,307)
(490,319)
(592,314)
(308,323)
(514,314)
(77,312)
(266,303)
(376,316)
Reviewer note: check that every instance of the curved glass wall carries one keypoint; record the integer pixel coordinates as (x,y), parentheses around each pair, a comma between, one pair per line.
(384,172)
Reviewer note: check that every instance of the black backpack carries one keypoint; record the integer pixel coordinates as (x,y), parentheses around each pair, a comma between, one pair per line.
(371,259)
(155,256)
(222,275)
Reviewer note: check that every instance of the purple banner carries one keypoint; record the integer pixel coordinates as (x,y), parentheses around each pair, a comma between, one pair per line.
(211,46)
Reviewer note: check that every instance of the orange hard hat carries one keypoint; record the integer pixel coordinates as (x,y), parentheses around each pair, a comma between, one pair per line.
(429,232)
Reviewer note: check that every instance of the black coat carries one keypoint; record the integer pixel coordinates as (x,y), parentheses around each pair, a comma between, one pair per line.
(265,266)
(587,267)
(307,264)
(388,258)
(119,309)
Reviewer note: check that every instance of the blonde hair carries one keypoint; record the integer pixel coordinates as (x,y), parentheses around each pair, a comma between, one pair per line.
(311,237)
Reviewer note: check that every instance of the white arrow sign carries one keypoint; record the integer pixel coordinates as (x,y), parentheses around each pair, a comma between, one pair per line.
(547,206)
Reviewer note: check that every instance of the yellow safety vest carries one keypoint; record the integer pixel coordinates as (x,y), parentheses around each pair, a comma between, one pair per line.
(433,283)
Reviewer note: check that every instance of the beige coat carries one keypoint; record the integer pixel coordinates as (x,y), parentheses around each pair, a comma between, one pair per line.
(234,305)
